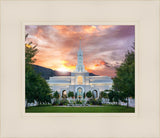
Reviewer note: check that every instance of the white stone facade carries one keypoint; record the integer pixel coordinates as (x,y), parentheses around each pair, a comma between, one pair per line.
(80,82)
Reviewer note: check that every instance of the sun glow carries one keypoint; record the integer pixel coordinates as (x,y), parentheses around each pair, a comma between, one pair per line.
(63,69)
(65,66)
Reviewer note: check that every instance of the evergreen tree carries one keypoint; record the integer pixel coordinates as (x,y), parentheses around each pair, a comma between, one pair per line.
(124,82)
(56,95)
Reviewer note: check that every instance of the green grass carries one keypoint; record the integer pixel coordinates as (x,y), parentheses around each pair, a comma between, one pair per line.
(102,109)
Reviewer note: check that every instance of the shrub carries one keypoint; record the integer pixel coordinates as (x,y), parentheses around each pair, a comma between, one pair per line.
(56,95)
(64,102)
(56,102)
(83,102)
(94,102)
(99,102)
(78,102)
(70,94)
(89,94)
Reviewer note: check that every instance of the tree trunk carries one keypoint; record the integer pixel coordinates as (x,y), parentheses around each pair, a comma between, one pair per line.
(127,102)
(38,103)
(117,102)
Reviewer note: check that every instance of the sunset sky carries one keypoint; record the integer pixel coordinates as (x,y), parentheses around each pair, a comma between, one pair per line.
(104,46)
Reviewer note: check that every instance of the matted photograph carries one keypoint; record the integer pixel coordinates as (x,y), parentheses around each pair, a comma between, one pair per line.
(79,68)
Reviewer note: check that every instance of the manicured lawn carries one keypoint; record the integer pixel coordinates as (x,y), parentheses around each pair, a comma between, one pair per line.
(102,109)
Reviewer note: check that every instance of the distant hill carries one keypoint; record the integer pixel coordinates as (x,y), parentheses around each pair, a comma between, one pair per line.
(46,72)
(91,74)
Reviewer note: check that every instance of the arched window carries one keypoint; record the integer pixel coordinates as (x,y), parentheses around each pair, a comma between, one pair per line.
(95,94)
(64,94)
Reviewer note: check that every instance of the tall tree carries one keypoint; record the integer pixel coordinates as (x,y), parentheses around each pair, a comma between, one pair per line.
(36,88)
(124,82)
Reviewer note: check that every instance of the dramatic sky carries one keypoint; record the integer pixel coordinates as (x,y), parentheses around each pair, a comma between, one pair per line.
(104,46)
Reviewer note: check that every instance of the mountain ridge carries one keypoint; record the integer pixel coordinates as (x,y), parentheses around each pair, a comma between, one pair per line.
(46,72)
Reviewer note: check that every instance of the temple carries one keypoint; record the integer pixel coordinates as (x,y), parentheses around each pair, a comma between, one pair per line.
(80,82)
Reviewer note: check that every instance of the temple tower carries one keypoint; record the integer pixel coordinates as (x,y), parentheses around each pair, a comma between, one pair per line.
(80,66)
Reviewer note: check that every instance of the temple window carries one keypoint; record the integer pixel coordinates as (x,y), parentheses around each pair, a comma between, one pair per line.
(79,80)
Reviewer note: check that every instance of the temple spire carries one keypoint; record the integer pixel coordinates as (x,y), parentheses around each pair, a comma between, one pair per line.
(80,42)
(80,66)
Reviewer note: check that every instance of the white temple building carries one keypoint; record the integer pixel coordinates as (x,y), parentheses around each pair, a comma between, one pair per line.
(80,82)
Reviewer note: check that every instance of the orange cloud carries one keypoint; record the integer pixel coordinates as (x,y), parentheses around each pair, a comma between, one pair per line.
(89,29)
(58,46)
(102,27)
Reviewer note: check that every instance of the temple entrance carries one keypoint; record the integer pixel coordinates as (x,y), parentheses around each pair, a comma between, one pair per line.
(79,93)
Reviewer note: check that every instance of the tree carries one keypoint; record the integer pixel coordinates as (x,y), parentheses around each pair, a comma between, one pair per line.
(104,95)
(71,94)
(43,92)
(89,94)
(56,95)
(36,87)
(76,95)
(124,82)
(114,96)
(84,95)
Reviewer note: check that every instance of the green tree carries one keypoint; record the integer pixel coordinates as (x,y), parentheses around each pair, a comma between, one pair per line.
(124,82)
(42,90)
(114,96)
(84,95)
(71,94)
(36,88)
(56,95)
(104,95)
(89,94)
(76,95)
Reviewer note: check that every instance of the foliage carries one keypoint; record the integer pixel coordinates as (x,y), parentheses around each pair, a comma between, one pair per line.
(103,95)
(64,102)
(84,95)
(124,82)
(78,102)
(94,102)
(71,102)
(76,95)
(56,95)
(83,102)
(71,94)
(89,94)
(36,88)
(56,102)
(114,96)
